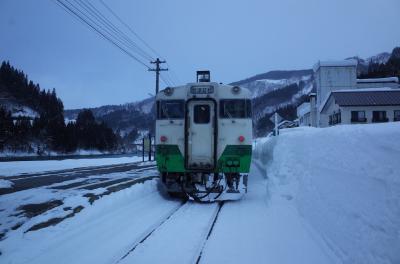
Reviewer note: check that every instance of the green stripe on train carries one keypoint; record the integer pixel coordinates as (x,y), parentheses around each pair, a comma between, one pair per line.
(169,158)
(235,158)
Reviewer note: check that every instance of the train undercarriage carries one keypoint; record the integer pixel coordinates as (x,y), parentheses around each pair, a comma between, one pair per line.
(205,186)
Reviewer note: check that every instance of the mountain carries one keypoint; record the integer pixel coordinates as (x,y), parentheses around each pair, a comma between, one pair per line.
(278,90)
(122,118)
(363,64)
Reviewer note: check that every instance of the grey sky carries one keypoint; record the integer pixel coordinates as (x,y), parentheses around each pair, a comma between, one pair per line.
(234,39)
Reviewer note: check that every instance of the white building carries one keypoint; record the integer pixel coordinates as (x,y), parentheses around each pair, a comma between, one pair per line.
(390,82)
(355,106)
(307,111)
(334,76)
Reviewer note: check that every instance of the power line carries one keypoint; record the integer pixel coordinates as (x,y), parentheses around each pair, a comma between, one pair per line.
(129,28)
(173,75)
(97,29)
(106,22)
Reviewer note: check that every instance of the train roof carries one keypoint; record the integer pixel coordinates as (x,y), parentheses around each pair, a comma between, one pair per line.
(204,90)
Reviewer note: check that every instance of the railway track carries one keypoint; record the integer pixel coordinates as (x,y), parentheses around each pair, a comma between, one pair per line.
(202,219)
(84,176)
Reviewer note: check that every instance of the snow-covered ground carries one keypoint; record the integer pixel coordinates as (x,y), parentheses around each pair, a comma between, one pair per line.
(327,195)
(344,182)
(18,167)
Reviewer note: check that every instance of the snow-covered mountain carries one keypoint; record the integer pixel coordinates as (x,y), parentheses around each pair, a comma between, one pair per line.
(363,64)
(122,118)
(261,84)
(278,90)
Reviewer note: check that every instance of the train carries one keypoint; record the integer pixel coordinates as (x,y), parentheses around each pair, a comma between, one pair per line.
(203,139)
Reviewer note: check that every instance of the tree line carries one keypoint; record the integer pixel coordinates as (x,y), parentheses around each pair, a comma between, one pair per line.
(389,69)
(48,131)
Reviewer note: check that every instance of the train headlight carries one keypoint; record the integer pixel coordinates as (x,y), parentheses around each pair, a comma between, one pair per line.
(168,91)
(163,138)
(236,163)
(229,163)
(241,138)
(235,89)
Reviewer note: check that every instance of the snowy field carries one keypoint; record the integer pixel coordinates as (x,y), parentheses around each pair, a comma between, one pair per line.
(315,196)
(10,168)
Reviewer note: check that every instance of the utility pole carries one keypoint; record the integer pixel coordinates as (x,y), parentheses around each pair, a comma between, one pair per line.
(157,62)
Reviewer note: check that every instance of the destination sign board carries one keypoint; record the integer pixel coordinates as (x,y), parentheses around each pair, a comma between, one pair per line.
(203,89)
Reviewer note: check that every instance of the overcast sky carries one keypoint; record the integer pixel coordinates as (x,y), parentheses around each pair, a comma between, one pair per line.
(233,39)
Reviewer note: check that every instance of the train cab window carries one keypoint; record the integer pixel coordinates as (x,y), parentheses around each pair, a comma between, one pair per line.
(201,114)
(235,108)
(170,109)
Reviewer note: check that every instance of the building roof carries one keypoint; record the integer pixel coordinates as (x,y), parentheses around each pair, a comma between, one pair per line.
(303,109)
(379,80)
(341,63)
(365,97)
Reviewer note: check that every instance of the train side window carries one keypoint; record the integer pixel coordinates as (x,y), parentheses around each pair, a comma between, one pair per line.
(201,114)
(170,109)
(235,108)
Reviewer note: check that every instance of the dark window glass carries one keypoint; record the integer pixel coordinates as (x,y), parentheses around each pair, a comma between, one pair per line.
(396,115)
(170,109)
(358,116)
(379,116)
(235,108)
(201,114)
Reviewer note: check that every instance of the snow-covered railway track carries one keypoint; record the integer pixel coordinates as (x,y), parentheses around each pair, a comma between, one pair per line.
(79,177)
(178,238)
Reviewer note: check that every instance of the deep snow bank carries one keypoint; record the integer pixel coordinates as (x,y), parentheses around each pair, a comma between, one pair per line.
(345,182)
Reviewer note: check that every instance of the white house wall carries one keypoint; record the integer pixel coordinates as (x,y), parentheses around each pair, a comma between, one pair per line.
(346,112)
(332,78)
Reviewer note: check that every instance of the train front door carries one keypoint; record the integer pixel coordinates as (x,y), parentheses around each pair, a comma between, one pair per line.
(200,134)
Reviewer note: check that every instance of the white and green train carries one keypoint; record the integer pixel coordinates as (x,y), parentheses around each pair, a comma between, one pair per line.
(204,139)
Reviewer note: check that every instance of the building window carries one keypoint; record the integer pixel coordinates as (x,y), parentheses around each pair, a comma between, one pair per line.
(358,117)
(379,116)
(335,118)
(396,116)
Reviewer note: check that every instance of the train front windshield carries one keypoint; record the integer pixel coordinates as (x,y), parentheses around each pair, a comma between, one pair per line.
(235,108)
(170,109)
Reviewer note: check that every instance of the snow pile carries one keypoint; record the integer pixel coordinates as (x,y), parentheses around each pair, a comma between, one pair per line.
(345,182)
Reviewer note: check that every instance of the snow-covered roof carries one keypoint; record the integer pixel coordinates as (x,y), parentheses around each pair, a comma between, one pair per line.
(379,80)
(364,97)
(303,109)
(340,63)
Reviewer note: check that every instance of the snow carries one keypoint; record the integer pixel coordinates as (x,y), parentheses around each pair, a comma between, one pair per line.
(303,109)
(334,63)
(344,182)
(5,184)
(263,227)
(183,237)
(315,195)
(101,233)
(10,168)
(388,79)
(379,89)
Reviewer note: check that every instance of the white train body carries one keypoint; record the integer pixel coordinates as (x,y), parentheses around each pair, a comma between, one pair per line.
(203,129)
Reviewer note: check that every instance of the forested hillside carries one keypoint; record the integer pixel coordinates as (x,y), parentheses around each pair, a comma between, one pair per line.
(32,120)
